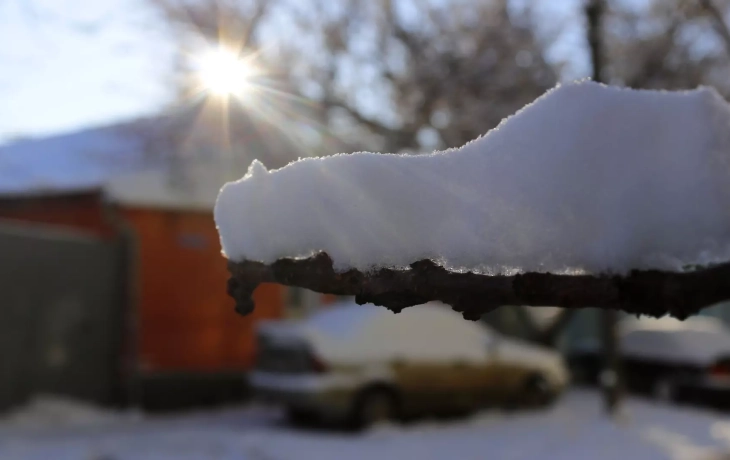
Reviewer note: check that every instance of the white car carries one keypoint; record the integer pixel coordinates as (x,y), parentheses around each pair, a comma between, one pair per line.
(363,363)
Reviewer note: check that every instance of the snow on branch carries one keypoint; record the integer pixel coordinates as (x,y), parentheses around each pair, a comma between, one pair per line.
(591,196)
(650,292)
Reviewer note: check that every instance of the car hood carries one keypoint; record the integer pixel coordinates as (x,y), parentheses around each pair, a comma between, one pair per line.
(534,357)
(526,352)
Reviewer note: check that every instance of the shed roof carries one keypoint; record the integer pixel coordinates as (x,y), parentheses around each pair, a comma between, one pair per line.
(177,160)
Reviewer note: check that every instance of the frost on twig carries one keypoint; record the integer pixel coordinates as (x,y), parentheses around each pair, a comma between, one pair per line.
(649,292)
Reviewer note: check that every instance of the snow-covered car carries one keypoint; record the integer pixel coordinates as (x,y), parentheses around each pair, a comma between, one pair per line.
(364,364)
(667,358)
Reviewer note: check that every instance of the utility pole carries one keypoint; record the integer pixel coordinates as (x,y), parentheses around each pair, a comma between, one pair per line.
(610,377)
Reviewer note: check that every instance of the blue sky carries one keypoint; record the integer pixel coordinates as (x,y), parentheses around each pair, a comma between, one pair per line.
(67,64)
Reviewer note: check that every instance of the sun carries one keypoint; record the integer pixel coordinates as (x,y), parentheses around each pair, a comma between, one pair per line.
(223,73)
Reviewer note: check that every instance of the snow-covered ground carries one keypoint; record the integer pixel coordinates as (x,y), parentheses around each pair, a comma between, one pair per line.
(573,429)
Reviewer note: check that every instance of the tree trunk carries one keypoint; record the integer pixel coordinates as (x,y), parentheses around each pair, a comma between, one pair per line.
(610,375)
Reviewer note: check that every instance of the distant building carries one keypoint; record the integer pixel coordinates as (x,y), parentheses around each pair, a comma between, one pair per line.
(150,184)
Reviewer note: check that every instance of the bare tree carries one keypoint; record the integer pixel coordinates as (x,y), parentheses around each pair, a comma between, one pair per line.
(406,75)
(412,76)
(718,20)
(669,44)
(388,75)
(195,23)
(229,131)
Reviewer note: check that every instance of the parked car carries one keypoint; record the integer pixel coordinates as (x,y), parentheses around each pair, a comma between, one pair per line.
(363,364)
(667,359)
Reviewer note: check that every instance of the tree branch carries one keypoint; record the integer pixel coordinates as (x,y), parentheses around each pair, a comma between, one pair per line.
(546,335)
(650,292)
(720,25)
(373,125)
(550,335)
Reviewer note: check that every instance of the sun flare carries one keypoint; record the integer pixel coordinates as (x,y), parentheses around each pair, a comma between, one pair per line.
(223,73)
(236,90)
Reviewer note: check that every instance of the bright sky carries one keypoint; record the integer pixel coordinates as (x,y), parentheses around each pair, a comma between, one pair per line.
(73,63)
(68,64)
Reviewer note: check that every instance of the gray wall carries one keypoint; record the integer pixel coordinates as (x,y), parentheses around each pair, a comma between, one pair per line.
(61,315)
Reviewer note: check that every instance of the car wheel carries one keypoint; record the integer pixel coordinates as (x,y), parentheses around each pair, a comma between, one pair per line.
(372,406)
(664,390)
(537,391)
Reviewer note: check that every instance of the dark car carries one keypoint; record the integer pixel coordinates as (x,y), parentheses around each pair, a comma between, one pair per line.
(666,359)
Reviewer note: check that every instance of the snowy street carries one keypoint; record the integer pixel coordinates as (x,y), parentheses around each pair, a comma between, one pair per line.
(573,429)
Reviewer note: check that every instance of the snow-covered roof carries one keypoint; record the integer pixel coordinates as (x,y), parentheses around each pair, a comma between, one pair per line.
(173,161)
(68,163)
(588,178)
(155,188)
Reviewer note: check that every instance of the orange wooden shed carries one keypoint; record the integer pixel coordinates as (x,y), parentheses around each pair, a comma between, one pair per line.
(100,182)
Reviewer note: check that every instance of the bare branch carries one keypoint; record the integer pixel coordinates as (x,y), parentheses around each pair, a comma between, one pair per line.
(718,20)
(216,19)
(373,125)
(650,292)
(549,335)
